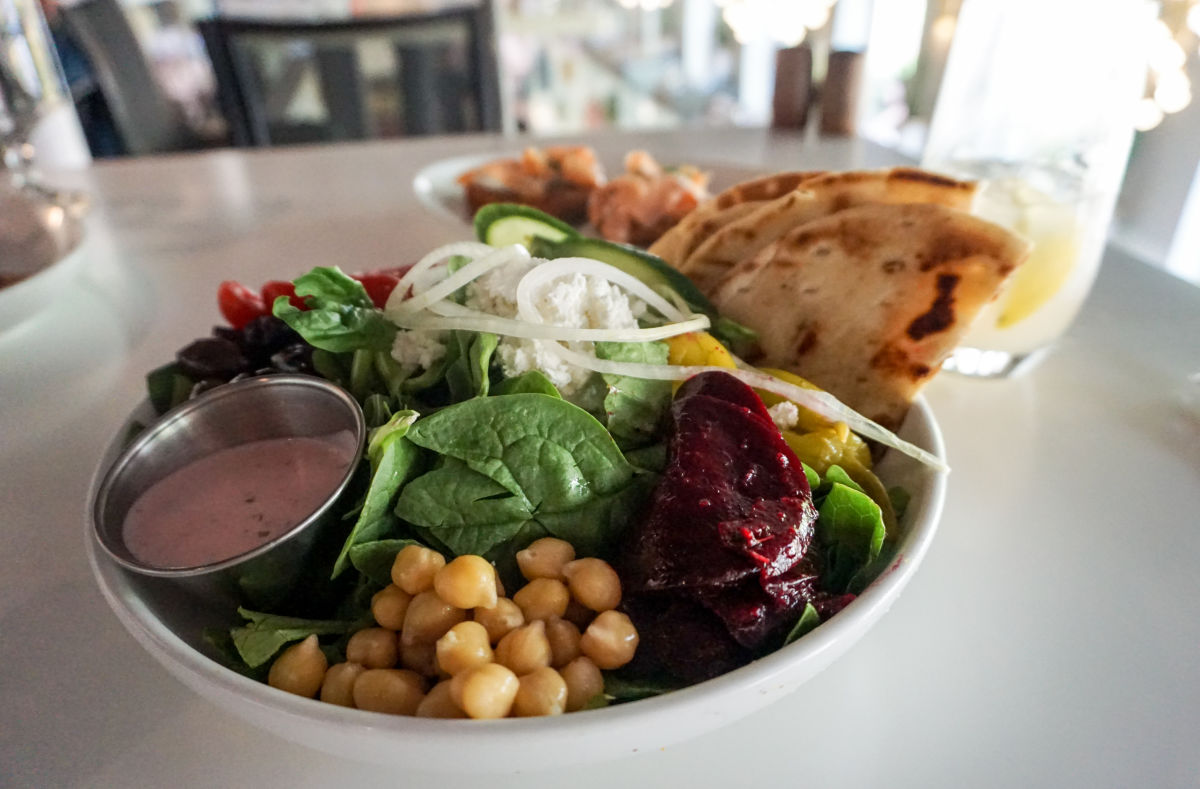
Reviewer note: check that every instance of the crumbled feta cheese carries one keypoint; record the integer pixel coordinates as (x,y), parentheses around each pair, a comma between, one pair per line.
(785,415)
(419,348)
(578,301)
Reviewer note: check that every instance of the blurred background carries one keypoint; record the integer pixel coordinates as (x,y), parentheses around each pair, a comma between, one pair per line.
(157,76)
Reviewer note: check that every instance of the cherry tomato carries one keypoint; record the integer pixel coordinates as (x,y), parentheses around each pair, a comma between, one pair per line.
(239,304)
(380,284)
(276,288)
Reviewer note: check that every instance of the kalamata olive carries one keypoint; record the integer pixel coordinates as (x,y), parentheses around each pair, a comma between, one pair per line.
(211,357)
(228,333)
(267,334)
(295,358)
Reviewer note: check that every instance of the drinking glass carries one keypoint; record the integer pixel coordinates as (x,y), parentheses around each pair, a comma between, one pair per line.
(1037,103)
(35,106)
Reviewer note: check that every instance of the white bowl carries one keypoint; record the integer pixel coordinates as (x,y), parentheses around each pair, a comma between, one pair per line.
(171,631)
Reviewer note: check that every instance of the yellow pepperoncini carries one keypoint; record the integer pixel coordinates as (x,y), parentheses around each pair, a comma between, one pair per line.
(808,420)
(821,444)
(837,446)
(698,348)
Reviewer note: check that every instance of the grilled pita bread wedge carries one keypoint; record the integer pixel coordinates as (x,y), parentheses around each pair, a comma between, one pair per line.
(868,302)
(812,199)
(708,217)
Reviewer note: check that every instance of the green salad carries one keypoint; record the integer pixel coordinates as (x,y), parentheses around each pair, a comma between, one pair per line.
(554,388)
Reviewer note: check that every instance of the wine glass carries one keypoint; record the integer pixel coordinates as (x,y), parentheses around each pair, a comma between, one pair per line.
(32,87)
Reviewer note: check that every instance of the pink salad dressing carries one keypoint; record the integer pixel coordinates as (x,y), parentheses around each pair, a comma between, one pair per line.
(235,499)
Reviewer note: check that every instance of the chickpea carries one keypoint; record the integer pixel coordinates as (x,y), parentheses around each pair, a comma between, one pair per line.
(542,598)
(428,618)
(414,568)
(579,614)
(594,583)
(563,636)
(500,620)
(584,682)
(455,685)
(545,558)
(374,647)
(541,692)
(488,691)
(338,687)
(467,582)
(391,690)
(465,646)
(438,703)
(299,669)
(610,640)
(525,649)
(389,605)
(420,657)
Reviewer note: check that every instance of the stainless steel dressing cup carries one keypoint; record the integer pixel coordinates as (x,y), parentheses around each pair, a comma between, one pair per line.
(267,407)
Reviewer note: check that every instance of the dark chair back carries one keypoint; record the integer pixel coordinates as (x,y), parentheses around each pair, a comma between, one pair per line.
(144,117)
(445,76)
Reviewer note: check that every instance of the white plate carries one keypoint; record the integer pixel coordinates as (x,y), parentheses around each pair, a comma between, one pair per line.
(171,630)
(437,189)
(22,300)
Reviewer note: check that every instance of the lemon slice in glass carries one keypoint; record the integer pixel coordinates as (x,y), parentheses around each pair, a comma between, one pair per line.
(1053,228)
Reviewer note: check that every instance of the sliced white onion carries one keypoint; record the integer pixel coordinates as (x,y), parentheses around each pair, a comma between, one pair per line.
(815,400)
(551,270)
(495,258)
(474,320)
(471,249)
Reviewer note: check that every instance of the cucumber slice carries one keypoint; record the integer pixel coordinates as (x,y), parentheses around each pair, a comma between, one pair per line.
(650,269)
(501,224)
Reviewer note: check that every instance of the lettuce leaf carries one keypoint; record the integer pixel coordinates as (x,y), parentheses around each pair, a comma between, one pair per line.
(340,315)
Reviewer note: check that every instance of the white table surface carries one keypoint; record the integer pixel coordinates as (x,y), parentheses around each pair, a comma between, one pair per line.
(1052,637)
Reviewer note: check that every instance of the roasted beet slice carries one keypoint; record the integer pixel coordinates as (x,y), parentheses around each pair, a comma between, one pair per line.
(728,527)
(724,387)
(732,502)
(681,641)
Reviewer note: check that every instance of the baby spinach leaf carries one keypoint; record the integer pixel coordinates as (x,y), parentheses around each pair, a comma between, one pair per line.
(814,479)
(362,374)
(340,315)
(393,461)
(651,459)
(375,559)
(377,410)
(431,376)
(467,511)
(634,407)
(504,555)
(514,460)
(221,646)
(553,454)
(593,528)
(809,618)
(836,473)
(265,634)
(851,525)
(467,371)
(390,372)
(530,382)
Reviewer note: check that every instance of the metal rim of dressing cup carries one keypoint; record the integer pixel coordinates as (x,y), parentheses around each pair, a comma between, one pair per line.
(266,407)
